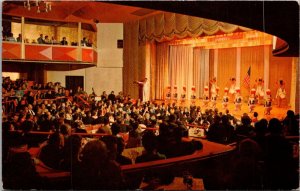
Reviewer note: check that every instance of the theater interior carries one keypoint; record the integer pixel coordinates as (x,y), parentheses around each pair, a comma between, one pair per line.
(150,95)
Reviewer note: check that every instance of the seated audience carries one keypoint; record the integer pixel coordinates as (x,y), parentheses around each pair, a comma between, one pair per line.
(51,154)
(246,172)
(40,40)
(122,160)
(70,153)
(64,41)
(96,171)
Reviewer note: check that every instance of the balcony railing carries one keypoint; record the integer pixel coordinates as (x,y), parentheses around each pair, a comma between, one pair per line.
(48,53)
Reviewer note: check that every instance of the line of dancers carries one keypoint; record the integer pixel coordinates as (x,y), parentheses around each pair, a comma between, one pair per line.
(233,94)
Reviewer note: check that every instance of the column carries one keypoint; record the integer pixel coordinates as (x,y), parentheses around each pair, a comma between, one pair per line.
(23,35)
(216,56)
(79,53)
(266,66)
(238,67)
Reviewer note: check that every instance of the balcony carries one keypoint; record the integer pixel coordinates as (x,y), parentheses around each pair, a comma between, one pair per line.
(49,54)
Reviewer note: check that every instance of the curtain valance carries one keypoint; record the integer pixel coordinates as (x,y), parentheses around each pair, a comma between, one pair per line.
(167,26)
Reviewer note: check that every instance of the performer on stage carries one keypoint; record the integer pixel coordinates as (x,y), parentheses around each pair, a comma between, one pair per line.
(232,88)
(213,86)
(146,88)
(259,86)
(214,98)
(175,94)
(251,101)
(183,94)
(238,100)
(193,95)
(268,103)
(225,99)
(206,96)
(281,93)
(168,93)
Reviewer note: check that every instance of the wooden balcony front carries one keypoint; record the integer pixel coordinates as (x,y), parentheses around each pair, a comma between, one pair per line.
(48,53)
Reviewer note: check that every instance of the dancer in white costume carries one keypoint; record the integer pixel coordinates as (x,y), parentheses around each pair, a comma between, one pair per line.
(213,98)
(268,103)
(225,98)
(213,86)
(232,88)
(238,100)
(281,93)
(260,93)
(205,96)
(251,101)
(146,88)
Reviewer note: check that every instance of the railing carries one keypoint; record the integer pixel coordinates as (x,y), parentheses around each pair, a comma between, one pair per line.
(48,53)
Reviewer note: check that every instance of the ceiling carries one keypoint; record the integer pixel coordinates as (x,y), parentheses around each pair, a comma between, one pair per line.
(79,11)
(279,18)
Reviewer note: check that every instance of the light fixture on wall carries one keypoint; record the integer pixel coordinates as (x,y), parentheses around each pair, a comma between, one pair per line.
(42,6)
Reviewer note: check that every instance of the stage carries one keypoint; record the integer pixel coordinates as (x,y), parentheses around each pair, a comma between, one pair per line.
(276,112)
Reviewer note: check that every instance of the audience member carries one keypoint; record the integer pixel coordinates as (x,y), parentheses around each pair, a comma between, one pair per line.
(64,41)
(96,171)
(41,40)
(51,154)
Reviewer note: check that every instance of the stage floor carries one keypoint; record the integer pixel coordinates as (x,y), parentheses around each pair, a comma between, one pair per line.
(276,112)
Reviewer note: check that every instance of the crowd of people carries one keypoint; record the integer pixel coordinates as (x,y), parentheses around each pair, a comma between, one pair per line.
(47,40)
(94,163)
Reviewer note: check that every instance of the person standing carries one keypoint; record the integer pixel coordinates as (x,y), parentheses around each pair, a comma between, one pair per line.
(259,86)
(281,93)
(232,88)
(146,88)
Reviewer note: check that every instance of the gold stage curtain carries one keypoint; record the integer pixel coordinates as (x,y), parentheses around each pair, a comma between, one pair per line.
(160,77)
(167,26)
(160,68)
(226,67)
(280,69)
(181,68)
(254,57)
(198,79)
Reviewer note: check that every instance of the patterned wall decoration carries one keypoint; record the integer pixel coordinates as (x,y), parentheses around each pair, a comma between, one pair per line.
(87,55)
(11,50)
(64,53)
(38,52)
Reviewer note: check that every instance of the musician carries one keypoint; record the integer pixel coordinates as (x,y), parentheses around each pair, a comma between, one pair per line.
(225,98)
(205,96)
(146,88)
(259,86)
(251,101)
(268,102)
(281,93)
(238,100)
